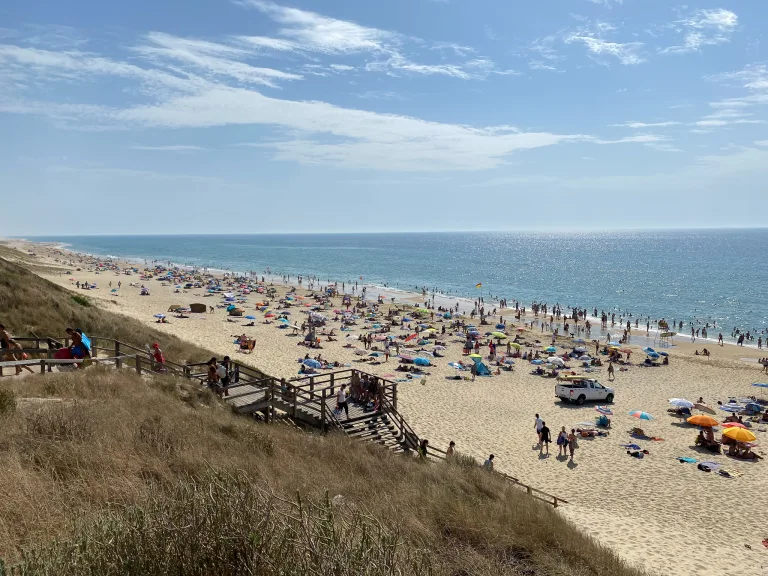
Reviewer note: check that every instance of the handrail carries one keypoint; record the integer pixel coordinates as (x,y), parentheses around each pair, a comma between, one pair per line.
(303,389)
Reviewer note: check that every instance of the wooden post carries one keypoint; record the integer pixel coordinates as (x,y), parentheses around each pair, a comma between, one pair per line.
(94,349)
(311,389)
(323,408)
(118,362)
(528,489)
(138,363)
(42,366)
(332,379)
(394,395)
(555,501)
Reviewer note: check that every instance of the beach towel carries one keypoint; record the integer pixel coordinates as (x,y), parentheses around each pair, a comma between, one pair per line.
(630,446)
(686,460)
(729,473)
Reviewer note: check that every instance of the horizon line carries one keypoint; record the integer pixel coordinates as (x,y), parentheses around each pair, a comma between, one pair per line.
(350,232)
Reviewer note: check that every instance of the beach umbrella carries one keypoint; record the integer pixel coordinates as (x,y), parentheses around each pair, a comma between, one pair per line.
(476,356)
(604,410)
(585,358)
(515,345)
(734,425)
(556,361)
(550,349)
(681,403)
(281,320)
(613,344)
(500,326)
(159,315)
(456,365)
(648,350)
(640,415)
(312,363)
(703,420)
(508,361)
(499,335)
(538,362)
(732,407)
(113,290)
(653,355)
(250,317)
(760,384)
(422,361)
(580,349)
(739,434)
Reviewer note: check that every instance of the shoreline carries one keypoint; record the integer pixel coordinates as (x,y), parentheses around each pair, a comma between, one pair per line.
(437,298)
(622,501)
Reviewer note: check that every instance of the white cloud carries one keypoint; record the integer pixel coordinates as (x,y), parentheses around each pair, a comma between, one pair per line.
(715,122)
(607,3)
(645,124)
(763,143)
(539,65)
(308,32)
(170,148)
(318,33)
(211,58)
(704,28)
(626,53)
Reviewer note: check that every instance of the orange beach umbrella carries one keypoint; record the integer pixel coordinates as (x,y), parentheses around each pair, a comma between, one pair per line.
(702,420)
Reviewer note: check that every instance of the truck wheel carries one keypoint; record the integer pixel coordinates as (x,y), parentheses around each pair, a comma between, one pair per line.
(609,398)
(580,400)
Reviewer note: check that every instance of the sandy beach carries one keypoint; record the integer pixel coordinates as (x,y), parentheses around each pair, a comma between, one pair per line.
(664,515)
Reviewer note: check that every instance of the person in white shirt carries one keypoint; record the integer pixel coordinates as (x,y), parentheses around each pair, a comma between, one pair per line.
(539,425)
(341,400)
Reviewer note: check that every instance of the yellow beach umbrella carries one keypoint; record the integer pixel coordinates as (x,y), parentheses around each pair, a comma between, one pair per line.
(499,335)
(475,356)
(515,345)
(740,435)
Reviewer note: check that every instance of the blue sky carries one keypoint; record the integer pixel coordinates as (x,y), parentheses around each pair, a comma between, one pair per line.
(255,116)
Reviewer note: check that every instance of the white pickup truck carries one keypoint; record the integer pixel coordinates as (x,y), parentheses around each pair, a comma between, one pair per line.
(583,390)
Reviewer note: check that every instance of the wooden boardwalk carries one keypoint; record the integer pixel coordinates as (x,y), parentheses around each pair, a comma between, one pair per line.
(308,401)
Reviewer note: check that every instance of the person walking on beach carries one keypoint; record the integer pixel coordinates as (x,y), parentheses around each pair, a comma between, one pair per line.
(341,400)
(720,339)
(488,464)
(572,443)
(474,371)
(545,438)
(611,375)
(538,425)
(451,452)
(562,442)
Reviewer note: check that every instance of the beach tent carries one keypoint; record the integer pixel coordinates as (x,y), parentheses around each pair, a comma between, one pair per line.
(198,308)
(482,369)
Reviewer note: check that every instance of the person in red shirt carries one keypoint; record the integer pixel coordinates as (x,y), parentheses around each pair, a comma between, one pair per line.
(158,357)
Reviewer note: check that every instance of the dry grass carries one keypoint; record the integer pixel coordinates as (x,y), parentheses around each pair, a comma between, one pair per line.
(114,458)
(104,472)
(30,305)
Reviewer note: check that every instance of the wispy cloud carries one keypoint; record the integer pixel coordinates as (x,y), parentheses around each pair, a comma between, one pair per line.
(646,124)
(593,36)
(170,148)
(762,143)
(307,32)
(704,28)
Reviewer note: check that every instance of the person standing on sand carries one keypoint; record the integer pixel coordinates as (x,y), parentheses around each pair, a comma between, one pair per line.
(611,375)
(451,452)
(720,339)
(488,464)
(545,438)
(572,442)
(474,371)
(562,442)
(538,425)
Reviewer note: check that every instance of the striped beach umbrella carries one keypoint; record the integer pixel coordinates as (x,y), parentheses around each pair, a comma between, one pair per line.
(640,415)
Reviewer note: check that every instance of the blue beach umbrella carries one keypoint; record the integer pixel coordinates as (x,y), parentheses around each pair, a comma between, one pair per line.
(732,407)
(283,320)
(640,415)
(159,315)
(550,349)
(648,350)
(604,410)
(653,355)
(422,361)
(312,363)
(537,361)
(613,344)
(250,317)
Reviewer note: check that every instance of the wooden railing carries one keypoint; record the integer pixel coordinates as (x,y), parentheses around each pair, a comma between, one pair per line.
(315,392)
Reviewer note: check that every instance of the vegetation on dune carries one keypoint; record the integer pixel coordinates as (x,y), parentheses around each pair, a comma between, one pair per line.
(106,472)
(30,305)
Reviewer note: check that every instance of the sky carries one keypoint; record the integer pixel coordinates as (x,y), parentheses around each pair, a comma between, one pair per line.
(248,116)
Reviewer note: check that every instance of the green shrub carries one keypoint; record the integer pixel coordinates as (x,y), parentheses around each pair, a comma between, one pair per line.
(82,300)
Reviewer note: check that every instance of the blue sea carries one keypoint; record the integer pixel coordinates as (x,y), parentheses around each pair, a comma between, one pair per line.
(700,276)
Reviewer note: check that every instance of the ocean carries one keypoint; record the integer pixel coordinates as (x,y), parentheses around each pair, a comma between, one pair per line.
(718,277)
